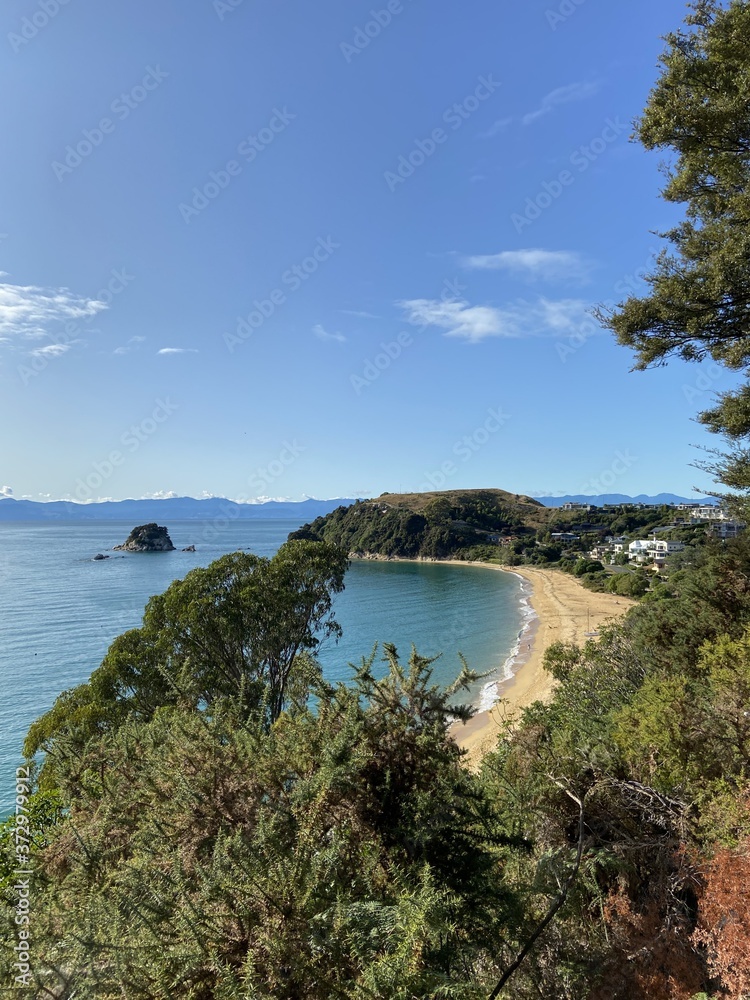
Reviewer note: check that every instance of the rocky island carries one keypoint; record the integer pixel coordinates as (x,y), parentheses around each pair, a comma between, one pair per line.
(147,538)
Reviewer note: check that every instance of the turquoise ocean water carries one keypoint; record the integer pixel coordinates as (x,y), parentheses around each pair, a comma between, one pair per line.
(60,610)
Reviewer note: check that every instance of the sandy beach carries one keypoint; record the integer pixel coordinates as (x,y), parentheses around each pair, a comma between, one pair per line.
(565,611)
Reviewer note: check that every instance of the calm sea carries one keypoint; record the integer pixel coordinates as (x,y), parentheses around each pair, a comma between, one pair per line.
(60,610)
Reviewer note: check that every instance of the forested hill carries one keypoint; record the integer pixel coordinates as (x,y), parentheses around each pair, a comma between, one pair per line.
(429,525)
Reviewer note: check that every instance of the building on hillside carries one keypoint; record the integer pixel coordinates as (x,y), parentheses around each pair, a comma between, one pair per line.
(726,529)
(656,551)
(637,550)
(571,505)
(709,512)
(661,550)
(564,536)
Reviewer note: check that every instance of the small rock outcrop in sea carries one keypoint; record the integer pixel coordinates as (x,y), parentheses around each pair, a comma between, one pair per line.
(99,556)
(147,538)
(189,548)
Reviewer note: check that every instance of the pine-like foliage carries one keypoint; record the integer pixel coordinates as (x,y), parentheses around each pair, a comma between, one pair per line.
(698,304)
(342,852)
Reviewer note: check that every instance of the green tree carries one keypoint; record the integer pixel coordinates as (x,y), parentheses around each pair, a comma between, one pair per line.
(342,852)
(238,630)
(584,566)
(699,299)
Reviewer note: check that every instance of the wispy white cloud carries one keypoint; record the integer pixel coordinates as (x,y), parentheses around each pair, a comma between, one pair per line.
(53,350)
(533,264)
(131,345)
(29,312)
(496,128)
(6,491)
(557,316)
(458,318)
(89,500)
(160,495)
(322,334)
(562,95)
(177,350)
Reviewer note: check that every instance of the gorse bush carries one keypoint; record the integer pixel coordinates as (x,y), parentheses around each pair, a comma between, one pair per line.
(203,847)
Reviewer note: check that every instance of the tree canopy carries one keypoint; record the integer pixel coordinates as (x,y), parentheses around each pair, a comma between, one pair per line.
(698,304)
(191,845)
(240,630)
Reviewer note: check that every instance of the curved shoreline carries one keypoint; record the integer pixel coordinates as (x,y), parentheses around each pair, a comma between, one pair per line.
(563,611)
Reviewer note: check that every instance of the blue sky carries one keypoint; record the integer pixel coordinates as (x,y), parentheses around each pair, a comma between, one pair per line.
(255,249)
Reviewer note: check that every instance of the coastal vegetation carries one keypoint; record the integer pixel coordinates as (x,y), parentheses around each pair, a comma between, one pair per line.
(211,819)
(426,525)
(500,527)
(698,303)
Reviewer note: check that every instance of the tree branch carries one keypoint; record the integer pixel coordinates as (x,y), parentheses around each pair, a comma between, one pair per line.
(557,903)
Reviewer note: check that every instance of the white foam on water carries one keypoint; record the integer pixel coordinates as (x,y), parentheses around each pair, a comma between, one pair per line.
(491,691)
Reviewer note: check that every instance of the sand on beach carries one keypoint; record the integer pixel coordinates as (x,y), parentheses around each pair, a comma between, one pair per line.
(565,612)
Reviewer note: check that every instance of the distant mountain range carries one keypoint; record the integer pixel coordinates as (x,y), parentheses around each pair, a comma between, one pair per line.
(190,509)
(599,501)
(177,509)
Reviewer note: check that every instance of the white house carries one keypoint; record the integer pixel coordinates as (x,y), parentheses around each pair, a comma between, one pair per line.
(662,549)
(637,551)
(709,512)
(653,551)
